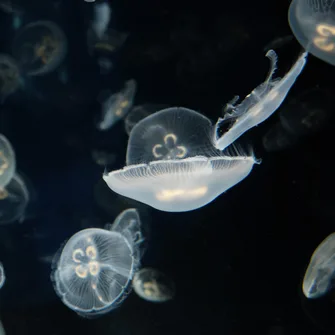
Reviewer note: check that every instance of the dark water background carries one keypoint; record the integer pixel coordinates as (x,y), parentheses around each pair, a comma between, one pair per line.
(238,262)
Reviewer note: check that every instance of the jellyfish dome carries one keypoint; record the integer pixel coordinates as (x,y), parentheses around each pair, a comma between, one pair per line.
(172,164)
(7,161)
(94,271)
(313,24)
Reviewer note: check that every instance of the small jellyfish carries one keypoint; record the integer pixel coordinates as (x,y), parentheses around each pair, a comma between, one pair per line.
(7,161)
(117,106)
(259,104)
(93,273)
(2,275)
(9,76)
(14,199)
(313,24)
(172,164)
(140,112)
(321,270)
(40,47)
(153,285)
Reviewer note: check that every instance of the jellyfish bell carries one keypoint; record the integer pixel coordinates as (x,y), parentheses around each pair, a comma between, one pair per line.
(7,161)
(172,164)
(40,47)
(320,273)
(93,272)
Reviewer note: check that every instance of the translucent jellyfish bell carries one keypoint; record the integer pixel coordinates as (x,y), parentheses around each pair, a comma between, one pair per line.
(313,24)
(39,47)
(321,269)
(172,164)
(262,102)
(93,273)
(7,161)
(9,76)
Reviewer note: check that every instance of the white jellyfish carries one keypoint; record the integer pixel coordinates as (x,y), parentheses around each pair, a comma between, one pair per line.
(94,270)
(313,24)
(321,269)
(2,275)
(263,101)
(153,285)
(7,161)
(172,164)
(116,106)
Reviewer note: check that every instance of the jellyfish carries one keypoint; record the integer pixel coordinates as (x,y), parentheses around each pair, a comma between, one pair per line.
(321,269)
(153,285)
(259,104)
(117,105)
(313,24)
(2,275)
(7,161)
(14,199)
(40,47)
(9,76)
(172,164)
(93,273)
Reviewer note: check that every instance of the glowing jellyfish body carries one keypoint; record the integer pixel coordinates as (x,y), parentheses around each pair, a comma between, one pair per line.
(40,47)
(321,269)
(14,198)
(263,101)
(7,162)
(2,275)
(9,76)
(153,285)
(172,164)
(94,271)
(116,107)
(313,24)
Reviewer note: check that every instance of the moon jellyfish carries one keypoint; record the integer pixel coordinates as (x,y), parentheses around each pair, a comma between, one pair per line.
(9,76)
(172,164)
(95,268)
(321,270)
(313,24)
(153,285)
(14,198)
(2,275)
(40,47)
(7,161)
(263,101)
(117,105)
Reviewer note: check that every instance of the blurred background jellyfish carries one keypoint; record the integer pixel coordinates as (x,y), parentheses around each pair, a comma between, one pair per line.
(172,164)
(39,47)
(9,76)
(2,276)
(93,273)
(14,198)
(153,285)
(116,106)
(140,112)
(313,24)
(7,161)
(320,273)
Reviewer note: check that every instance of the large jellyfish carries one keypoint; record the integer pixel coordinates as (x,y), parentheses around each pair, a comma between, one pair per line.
(321,270)
(313,24)
(172,164)
(40,47)
(94,271)
(7,161)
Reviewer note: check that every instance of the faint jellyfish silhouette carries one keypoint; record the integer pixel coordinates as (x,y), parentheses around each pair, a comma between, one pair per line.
(153,285)
(9,76)
(39,47)
(263,101)
(139,113)
(313,24)
(116,106)
(2,275)
(93,273)
(321,270)
(172,164)
(14,198)
(7,161)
